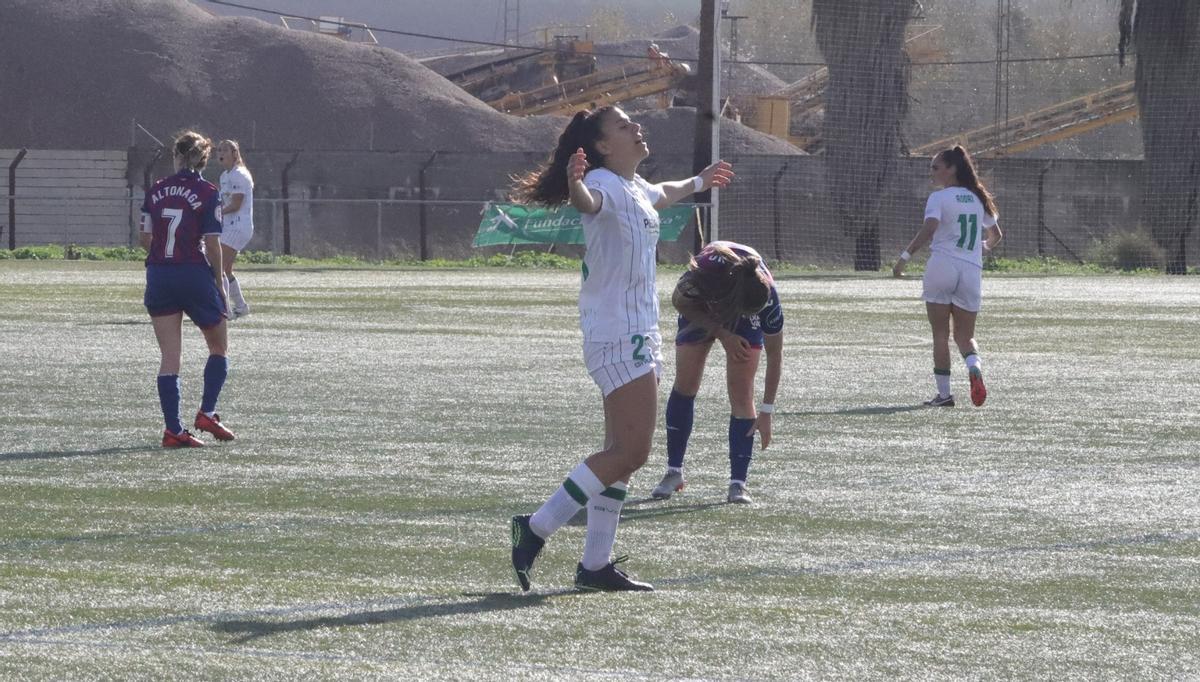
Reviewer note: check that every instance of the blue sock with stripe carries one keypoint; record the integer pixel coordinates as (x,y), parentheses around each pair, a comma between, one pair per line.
(581,485)
(215,371)
(168,397)
(681,410)
(741,448)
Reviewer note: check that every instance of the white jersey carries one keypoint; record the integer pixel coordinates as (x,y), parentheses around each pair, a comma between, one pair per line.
(237,180)
(961,222)
(618,297)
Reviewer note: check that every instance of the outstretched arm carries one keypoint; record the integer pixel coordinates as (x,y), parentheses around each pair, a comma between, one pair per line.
(720,174)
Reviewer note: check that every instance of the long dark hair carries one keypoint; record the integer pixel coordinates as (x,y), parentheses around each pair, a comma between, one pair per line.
(965,176)
(548,184)
(740,289)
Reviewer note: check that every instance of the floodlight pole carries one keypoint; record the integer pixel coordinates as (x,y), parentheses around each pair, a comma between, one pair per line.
(715,106)
(707,142)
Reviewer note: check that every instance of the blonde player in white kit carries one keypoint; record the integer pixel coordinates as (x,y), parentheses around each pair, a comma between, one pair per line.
(960,223)
(594,166)
(237,210)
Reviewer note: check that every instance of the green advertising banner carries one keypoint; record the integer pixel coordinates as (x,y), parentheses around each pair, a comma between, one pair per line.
(506,224)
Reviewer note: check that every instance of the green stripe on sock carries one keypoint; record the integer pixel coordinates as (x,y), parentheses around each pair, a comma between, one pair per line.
(614,493)
(941,372)
(969,354)
(575,492)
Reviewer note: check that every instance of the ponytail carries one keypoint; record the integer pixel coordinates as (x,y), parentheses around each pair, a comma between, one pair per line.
(193,148)
(548,184)
(966,176)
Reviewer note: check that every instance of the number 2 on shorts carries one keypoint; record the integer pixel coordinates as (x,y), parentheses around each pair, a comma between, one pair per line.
(962,226)
(637,352)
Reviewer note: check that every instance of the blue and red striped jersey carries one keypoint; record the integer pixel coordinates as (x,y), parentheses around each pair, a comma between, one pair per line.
(179,210)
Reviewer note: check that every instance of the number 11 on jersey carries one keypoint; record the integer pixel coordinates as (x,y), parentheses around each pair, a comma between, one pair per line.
(963,219)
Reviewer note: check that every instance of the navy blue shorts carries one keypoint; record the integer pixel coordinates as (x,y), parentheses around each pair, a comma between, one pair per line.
(188,288)
(748,328)
(769,320)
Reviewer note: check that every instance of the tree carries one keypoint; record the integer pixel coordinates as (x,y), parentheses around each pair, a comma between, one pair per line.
(865,104)
(1166,37)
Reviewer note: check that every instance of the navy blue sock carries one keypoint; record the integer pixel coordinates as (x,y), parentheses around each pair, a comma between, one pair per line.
(741,447)
(680,413)
(215,371)
(168,397)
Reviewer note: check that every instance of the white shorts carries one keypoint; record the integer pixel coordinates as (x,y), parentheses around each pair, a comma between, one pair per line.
(236,235)
(953,281)
(613,364)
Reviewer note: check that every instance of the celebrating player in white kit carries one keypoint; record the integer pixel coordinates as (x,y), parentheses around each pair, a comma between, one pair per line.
(960,223)
(237,209)
(594,166)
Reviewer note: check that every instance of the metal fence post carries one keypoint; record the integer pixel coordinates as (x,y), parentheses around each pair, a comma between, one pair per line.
(379,230)
(274,228)
(424,221)
(287,226)
(12,199)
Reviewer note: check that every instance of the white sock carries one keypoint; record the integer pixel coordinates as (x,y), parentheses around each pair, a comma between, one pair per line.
(229,301)
(581,485)
(603,514)
(675,470)
(235,293)
(973,362)
(943,384)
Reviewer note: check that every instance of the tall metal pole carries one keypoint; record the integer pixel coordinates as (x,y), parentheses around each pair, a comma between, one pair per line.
(715,197)
(707,139)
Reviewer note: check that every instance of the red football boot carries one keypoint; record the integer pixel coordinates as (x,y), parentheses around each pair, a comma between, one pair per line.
(978,390)
(183,440)
(213,425)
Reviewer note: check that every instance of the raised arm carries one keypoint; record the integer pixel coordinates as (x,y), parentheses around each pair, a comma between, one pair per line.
(582,199)
(720,174)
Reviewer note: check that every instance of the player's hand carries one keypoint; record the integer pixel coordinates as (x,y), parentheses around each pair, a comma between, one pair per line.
(736,348)
(577,165)
(898,268)
(763,425)
(720,174)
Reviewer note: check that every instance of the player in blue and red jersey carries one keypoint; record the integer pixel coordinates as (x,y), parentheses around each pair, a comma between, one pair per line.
(727,294)
(181,227)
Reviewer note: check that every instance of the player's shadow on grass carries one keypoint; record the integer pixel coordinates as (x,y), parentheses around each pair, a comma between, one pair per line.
(487,602)
(648,507)
(66,454)
(871,411)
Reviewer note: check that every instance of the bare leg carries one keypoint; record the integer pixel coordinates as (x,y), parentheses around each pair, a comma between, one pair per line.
(168,332)
(633,411)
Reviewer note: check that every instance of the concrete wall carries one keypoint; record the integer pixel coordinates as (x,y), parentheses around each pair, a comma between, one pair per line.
(780,204)
(68,196)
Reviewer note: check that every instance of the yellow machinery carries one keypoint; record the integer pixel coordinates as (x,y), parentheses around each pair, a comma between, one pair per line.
(1051,124)
(620,83)
(807,95)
